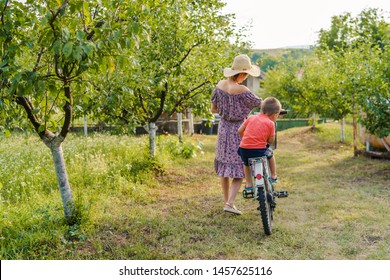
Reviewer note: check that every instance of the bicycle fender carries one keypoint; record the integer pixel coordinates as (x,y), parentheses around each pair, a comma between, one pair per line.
(256,165)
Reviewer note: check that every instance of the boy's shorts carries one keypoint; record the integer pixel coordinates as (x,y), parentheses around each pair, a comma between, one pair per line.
(246,154)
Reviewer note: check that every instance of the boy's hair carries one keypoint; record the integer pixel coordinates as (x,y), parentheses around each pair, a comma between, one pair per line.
(270,106)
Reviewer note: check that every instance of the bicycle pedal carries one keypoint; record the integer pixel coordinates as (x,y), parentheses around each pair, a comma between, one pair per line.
(281,194)
(248,193)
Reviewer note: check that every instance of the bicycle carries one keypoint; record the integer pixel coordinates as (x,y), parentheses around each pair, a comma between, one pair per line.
(263,190)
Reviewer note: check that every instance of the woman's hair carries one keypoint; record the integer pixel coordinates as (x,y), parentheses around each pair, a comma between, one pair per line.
(270,106)
(235,77)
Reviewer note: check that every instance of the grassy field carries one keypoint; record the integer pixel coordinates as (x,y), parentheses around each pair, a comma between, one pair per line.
(134,208)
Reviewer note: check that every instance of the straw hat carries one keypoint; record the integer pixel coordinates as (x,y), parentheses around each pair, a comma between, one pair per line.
(242,64)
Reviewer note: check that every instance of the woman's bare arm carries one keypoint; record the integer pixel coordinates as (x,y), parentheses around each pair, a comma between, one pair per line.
(214,108)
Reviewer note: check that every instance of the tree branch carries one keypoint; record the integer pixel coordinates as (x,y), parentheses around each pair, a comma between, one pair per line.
(68,111)
(39,59)
(142,103)
(3,12)
(186,55)
(56,68)
(28,108)
(98,25)
(162,102)
(55,15)
(186,96)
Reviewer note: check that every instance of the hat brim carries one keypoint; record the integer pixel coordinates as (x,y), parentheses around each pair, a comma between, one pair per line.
(254,71)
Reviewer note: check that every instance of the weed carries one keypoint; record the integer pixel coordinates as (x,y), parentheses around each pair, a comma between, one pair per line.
(182,149)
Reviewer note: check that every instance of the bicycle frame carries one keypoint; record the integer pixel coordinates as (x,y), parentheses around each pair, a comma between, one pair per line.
(260,173)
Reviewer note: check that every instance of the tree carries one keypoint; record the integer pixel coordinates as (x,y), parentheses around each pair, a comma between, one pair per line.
(43,59)
(285,83)
(176,67)
(349,74)
(359,49)
(339,36)
(373,92)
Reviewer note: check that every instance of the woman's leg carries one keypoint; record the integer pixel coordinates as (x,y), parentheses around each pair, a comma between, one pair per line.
(225,188)
(236,185)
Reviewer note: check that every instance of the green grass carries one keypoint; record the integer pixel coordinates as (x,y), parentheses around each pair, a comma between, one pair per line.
(131,207)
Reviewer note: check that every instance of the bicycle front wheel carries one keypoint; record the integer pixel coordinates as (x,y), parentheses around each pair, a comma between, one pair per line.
(265,211)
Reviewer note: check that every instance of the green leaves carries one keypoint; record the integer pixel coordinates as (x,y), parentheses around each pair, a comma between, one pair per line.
(350,73)
(67,49)
(168,60)
(127,59)
(135,28)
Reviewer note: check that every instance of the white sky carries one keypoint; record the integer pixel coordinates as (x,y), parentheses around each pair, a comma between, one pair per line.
(284,23)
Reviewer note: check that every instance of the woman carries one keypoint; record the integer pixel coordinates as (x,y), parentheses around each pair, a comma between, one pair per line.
(233,102)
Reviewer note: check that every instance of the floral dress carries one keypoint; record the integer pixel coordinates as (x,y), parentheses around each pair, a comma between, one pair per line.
(233,109)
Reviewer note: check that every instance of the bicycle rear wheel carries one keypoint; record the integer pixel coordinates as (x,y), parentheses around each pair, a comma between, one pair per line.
(265,210)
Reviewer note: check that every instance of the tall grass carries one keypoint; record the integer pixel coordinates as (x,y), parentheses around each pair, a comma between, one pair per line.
(132,207)
(104,171)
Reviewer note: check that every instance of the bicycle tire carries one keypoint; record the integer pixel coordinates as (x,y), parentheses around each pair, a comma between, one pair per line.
(265,211)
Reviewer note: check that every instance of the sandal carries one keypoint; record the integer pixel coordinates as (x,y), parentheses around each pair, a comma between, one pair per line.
(273,180)
(232,209)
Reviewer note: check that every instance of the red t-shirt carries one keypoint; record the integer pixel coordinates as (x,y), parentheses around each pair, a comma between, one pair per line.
(258,128)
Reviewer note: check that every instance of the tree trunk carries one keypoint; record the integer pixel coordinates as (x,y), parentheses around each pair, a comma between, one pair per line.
(191,128)
(152,138)
(314,116)
(354,121)
(55,146)
(180,126)
(354,134)
(342,130)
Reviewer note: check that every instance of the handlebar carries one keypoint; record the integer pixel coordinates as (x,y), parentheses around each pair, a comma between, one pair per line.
(283,112)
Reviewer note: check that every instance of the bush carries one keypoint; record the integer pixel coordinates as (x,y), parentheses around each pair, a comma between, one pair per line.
(184,150)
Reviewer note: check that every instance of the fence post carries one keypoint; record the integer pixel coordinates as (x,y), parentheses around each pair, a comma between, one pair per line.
(85,126)
(191,125)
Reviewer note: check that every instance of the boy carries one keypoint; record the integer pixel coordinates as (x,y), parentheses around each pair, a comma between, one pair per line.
(258,132)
